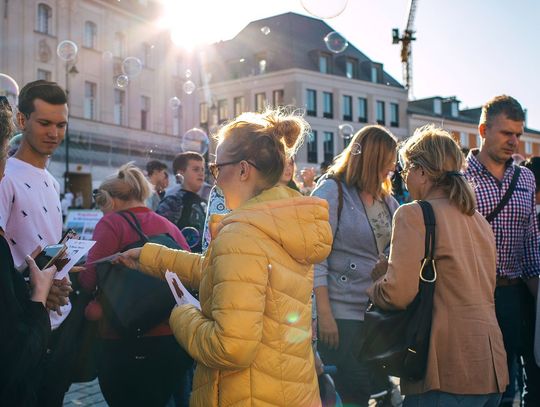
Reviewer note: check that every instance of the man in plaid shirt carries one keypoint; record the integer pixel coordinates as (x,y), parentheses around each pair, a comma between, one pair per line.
(490,169)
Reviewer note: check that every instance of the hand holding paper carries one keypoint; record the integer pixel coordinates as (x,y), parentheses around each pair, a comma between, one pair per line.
(180,292)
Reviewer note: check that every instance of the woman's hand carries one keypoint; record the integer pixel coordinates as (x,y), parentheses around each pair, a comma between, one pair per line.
(40,280)
(59,294)
(328,331)
(130,258)
(380,268)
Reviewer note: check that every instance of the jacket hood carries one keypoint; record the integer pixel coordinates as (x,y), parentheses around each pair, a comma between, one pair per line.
(298,223)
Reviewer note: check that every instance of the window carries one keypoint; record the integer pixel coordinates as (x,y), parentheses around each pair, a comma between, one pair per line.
(328,146)
(119,106)
(261,63)
(347,107)
(44,18)
(528,147)
(311,102)
(42,74)
(90,100)
(374,74)
(147,55)
(223,110)
(277,97)
(394,115)
(90,35)
(324,64)
(260,101)
(380,113)
(362,110)
(203,113)
(464,139)
(437,106)
(350,68)
(312,147)
(262,66)
(145,113)
(328,105)
(119,44)
(454,108)
(239,105)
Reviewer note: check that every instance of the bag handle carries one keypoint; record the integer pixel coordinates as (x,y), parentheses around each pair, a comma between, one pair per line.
(428,271)
(135,225)
(506,196)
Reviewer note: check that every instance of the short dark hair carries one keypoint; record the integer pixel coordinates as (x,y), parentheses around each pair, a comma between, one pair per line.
(533,164)
(502,104)
(181,160)
(155,165)
(47,91)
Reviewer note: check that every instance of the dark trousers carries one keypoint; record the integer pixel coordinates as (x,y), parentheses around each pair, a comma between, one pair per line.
(143,371)
(355,381)
(515,308)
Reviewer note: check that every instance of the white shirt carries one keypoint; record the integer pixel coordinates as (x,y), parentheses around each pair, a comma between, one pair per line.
(30,213)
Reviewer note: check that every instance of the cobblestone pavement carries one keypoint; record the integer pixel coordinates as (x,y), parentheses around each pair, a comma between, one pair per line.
(84,394)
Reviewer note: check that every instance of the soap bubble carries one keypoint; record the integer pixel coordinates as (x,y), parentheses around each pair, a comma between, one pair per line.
(67,50)
(132,66)
(188,87)
(192,235)
(324,8)
(10,89)
(356,149)
(122,81)
(196,140)
(335,42)
(346,130)
(174,103)
(265,30)
(187,74)
(107,55)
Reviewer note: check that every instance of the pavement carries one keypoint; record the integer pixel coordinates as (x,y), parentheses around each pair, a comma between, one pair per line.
(85,394)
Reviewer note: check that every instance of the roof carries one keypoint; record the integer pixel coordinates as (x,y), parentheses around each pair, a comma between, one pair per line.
(294,41)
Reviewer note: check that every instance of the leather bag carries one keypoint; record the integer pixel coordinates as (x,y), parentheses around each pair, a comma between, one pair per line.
(398,341)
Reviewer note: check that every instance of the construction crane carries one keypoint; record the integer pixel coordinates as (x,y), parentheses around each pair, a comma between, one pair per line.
(406,46)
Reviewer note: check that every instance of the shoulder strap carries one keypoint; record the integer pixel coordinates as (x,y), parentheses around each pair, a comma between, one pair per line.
(134,223)
(340,196)
(429,222)
(507,195)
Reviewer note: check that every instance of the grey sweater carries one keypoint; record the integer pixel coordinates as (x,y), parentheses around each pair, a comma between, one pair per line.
(347,269)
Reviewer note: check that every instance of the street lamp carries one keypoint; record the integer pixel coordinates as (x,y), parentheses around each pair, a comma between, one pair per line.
(71,71)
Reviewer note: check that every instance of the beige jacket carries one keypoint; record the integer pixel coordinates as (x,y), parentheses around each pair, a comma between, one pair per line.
(466,353)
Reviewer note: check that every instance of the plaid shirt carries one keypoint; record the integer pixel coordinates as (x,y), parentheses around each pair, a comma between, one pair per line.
(515,227)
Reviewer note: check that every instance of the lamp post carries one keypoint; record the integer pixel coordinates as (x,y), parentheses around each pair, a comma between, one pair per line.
(71,70)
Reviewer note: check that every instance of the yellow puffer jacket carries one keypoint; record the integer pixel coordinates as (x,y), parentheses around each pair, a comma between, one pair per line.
(252,339)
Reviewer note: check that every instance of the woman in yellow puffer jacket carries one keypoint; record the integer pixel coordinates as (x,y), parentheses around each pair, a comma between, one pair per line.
(252,339)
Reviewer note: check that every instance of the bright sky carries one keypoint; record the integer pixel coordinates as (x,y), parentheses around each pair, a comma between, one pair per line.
(472,49)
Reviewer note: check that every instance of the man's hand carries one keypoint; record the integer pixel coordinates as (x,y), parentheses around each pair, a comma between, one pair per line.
(380,268)
(328,330)
(59,294)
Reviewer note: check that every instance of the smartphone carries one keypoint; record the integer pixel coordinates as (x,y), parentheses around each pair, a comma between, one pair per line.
(54,253)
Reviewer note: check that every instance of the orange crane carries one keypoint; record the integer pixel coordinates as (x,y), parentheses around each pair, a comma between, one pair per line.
(406,46)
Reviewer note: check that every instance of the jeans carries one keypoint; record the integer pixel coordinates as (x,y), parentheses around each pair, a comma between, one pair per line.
(442,399)
(515,308)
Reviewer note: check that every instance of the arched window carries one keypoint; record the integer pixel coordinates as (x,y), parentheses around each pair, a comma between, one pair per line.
(119,44)
(44,17)
(90,35)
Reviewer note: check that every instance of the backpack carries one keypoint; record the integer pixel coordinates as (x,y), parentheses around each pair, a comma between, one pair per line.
(134,302)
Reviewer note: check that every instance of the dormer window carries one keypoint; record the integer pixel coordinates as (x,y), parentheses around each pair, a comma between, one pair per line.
(437,106)
(454,109)
(324,64)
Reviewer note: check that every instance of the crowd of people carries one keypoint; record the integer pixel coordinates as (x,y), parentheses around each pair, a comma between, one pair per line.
(283,270)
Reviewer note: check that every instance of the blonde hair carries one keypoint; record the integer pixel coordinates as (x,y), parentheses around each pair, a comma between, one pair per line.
(6,129)
(128,184)
(267,139)
(375,146)
(436,152)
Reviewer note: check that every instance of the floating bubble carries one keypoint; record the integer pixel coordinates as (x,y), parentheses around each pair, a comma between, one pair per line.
(189,87)
(122,81)
(335,42)
(346,130)
(187,74)
(107,55)
(324,8)
(293,317)
(67,50)
(192,235)
(132,66)
(356,149)
(196,140)
(265,30)
(174,103)
(10,89)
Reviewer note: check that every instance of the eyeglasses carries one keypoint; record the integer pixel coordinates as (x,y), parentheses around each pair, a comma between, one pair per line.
(214,168)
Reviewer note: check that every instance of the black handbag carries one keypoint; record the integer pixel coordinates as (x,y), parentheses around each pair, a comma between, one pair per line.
(398,341)
(134,302)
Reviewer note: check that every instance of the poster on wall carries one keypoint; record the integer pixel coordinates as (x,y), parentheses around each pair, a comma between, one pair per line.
(83,221)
